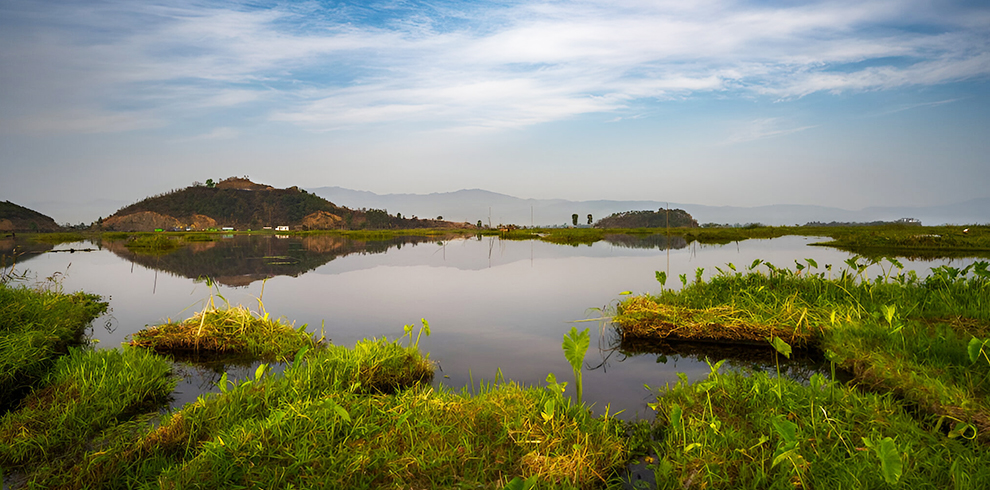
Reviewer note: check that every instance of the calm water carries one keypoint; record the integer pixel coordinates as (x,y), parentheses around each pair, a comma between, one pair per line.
(492,304)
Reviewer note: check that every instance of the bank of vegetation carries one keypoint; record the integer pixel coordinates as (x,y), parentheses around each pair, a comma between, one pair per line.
(917,408)
(37,326)
(337,417)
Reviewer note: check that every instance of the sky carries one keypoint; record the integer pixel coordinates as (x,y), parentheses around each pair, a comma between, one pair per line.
(718,102)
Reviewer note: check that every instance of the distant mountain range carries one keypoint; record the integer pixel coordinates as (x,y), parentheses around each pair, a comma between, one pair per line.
(472,205)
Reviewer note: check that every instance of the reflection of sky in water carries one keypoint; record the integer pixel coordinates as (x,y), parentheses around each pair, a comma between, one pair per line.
(492,304)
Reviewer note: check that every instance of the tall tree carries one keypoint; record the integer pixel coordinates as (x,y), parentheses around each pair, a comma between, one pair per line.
(574,218)
(589,219)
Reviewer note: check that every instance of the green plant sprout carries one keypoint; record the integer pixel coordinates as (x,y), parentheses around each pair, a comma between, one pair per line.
(575,346)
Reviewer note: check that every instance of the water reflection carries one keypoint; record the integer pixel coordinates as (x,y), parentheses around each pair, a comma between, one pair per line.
(17,250)
(238,261)
(754,357)
(492,304)
(658,241)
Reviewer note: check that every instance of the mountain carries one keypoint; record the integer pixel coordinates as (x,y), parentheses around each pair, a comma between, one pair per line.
(241,204)
(472,205)
(19,218)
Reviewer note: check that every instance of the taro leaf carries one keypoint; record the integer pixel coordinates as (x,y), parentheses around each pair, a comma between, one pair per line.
(812,263)
(781,346)
(890,459)
(575,346)
(518,483)
(786,429)
(553,385)
(975,347)
(662,278)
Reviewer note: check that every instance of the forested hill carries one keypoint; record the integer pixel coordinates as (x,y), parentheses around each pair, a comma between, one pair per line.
(242,204)
(14,217)
(675,218)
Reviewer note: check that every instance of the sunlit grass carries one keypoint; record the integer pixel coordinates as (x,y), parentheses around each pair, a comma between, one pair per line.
(906,342)
(360,418)
(36,326)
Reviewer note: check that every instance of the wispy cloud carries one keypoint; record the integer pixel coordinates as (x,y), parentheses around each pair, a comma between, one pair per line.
(758,129)
(474,65)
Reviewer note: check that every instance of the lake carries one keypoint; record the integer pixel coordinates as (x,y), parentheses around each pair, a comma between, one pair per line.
(491,304)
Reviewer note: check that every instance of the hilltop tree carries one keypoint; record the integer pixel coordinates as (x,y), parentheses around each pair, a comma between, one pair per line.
(210,184)
(648,219)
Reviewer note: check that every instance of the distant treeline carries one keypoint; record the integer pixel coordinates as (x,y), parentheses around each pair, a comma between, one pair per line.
(902,221)
(675,218)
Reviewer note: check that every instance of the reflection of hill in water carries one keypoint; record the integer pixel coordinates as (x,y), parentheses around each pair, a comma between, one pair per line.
(658,241)
(19,250)
(243,259)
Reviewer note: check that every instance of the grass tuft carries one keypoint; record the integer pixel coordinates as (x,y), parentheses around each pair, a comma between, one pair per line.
(229,330)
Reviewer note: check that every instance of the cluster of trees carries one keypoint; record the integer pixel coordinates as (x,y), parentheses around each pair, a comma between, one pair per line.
(674,218)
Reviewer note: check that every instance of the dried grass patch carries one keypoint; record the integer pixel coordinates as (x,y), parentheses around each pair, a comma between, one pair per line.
(643,318)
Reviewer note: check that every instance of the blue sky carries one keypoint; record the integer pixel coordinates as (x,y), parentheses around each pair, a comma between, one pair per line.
(842,103)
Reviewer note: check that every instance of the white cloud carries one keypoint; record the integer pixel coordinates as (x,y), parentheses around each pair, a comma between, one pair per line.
(502,66)
(758,129)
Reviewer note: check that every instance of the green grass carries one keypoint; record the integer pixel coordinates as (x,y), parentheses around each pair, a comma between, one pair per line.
(227,331)
(905,341)
(738,430)
(85,393)
(57,238)
(37,325)
(153,244)
(358,418)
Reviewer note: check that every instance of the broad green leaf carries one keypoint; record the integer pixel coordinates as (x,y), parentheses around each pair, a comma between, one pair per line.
(974,348)
(890,459)
(812,263)
(662,278)
(258,373)
(575,346)
(785,428)
(781,346)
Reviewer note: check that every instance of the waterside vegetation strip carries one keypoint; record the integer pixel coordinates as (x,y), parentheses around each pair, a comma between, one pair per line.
(917,407)
(37,326)
(361,417)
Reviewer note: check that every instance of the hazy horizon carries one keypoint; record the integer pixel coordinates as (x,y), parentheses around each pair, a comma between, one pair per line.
(845,104)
